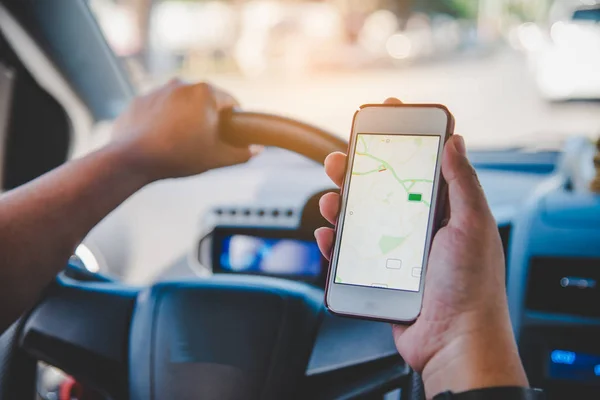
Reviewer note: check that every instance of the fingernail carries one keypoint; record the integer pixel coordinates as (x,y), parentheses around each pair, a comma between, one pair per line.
(256,149)
(316,232)
(392,100)
(459,144)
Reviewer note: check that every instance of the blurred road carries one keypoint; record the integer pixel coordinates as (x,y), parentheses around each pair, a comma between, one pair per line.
(493,99)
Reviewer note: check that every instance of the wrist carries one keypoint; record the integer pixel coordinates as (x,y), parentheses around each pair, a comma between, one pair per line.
(494,393)
(130,161)
(482,355)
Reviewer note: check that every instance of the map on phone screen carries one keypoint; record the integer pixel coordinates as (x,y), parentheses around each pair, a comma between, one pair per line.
(387,211)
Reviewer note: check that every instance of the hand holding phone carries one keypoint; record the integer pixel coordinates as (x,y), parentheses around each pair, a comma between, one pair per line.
(463,337)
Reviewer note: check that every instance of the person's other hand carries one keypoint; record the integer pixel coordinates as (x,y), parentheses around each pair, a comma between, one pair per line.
(463,337)
(173,131)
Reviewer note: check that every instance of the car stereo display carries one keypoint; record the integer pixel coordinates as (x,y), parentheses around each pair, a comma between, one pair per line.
(270,256)
(574,366)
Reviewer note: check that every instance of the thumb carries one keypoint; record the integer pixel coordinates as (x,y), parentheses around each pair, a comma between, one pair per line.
(232,155)
(467,200)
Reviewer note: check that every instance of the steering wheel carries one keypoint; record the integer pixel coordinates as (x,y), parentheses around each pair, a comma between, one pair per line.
(223,337)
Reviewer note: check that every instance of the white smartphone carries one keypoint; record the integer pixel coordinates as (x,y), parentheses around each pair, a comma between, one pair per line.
(392,202)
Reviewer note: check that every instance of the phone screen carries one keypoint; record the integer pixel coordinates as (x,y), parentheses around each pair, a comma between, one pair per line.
(388,211)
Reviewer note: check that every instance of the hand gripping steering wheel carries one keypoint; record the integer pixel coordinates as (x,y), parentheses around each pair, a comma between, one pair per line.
(224,337)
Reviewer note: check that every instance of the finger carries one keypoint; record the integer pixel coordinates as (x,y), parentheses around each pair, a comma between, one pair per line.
(324,238)
(398,330)
(335,166)
(220,98)
(174,82)
(392,100)
(232,155)
(223,99)
(465,195)
(329,205)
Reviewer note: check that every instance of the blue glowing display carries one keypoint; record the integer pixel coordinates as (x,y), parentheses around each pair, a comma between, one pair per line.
(563,357)
(270,256)
(575,366)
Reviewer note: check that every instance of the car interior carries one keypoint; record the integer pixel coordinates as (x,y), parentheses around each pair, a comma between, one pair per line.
(210,327)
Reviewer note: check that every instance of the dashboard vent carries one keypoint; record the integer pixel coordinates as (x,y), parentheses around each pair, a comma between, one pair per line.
(255,212)
(564,285)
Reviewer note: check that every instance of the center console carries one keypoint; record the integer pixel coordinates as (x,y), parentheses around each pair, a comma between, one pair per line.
(554,288)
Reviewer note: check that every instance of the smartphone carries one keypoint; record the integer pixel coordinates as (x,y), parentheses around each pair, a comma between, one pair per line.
(393,200)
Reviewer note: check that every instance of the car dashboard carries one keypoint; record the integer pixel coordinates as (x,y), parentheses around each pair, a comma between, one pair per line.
(548,221)
(273,234)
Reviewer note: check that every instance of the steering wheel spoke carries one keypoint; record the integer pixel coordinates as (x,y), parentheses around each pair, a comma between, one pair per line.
(83,329)
(227,337)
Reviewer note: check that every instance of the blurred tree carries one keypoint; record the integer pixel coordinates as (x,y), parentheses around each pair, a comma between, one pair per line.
(528,10)
(463,9)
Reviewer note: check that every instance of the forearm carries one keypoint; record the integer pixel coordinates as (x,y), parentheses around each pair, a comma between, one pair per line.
(169,133)
(43,221)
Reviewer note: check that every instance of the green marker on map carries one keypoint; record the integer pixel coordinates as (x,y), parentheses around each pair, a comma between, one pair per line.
(414,196)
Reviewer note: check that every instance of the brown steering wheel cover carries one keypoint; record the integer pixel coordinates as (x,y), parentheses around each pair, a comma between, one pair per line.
(241,128)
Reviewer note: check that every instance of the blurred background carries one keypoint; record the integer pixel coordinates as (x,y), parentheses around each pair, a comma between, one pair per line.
(513,72)
(516,74)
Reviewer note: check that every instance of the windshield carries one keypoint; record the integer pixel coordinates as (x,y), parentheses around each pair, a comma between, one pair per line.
(512,72)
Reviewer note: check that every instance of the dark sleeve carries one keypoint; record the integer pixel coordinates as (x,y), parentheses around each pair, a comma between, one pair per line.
(495,393)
